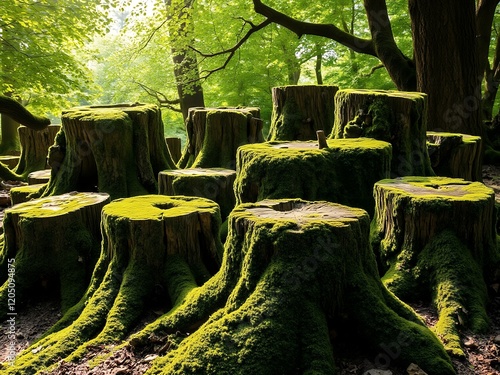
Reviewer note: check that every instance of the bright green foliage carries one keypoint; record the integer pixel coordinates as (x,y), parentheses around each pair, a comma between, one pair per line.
(38,57)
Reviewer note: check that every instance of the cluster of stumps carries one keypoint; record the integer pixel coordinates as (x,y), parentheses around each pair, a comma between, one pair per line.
(263,257)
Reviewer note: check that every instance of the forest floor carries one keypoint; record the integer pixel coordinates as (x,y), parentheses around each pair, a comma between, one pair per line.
(482,350)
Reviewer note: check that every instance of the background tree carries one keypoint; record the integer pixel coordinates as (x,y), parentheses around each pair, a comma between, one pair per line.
(38,63)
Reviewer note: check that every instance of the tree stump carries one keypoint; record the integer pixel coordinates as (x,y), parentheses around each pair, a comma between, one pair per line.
(39,177)
(437,237)
(53,244)
(174,147)
(20,194)
(151,244)
(300,111)
(293,273)
(34,148)
(214,134)
(345,172)
(393,116)
(117,149)
(9,160)
(212,183)
(455,155)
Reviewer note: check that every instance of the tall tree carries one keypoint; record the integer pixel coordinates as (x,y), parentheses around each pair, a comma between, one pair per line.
(429,47)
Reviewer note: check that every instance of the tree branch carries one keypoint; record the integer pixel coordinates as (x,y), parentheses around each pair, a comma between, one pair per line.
(19,113)
(330,31)
(230,52)
(161,98)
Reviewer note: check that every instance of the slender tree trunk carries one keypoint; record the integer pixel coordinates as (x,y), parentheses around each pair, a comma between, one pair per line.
(444,38)
(186,65)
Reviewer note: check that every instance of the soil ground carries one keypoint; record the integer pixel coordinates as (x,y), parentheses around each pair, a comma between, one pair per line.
(482,350)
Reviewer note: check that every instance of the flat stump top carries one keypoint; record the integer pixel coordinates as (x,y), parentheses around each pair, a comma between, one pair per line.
(57,205)
(157,207)
(199,172)
(430,188)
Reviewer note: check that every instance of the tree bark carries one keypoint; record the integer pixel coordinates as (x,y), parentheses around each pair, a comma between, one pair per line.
(53,244)
(116,149)
(435,238)
(455,155)
(345,172)
(392,116)
(300,111)
(34,148)
(214,134)
(448,71)
(211,183)
(174,147)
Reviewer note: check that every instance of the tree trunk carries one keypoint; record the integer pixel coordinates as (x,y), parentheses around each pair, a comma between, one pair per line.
(186,72)
(214,135)
(35,148)
(10,141)
(151,244)
(300,111)
(437,237)
(345,172)
(392,116)
(174,147)
(52,244)
(456,155)
(118,149)
(212,183)
(444,40)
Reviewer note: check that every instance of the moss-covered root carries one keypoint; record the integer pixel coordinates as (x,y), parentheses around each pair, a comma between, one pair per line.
(298,265)
(459,291)
(140,235)
(52,244)
(395,338)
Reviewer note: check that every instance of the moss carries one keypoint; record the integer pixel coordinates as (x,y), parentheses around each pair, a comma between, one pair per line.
(344,172)
(50,255)
(393,116)
(428,256)
(140,239)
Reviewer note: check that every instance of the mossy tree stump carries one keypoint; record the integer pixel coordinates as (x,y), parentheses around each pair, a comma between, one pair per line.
(214,135)
(39,177)
(212,183)
(151,244)
(118,149)
(34,148)
(393,116)
(293,272)
(436,240)
(20,194)
(455,155)
(53,244)
(344,172)
(34,151)
(300,111)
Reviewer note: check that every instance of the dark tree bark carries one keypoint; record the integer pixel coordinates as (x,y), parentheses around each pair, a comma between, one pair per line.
(186,70)
(444,40)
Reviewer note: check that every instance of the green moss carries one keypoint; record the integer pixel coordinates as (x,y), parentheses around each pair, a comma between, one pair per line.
(344,172)
(393,116)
